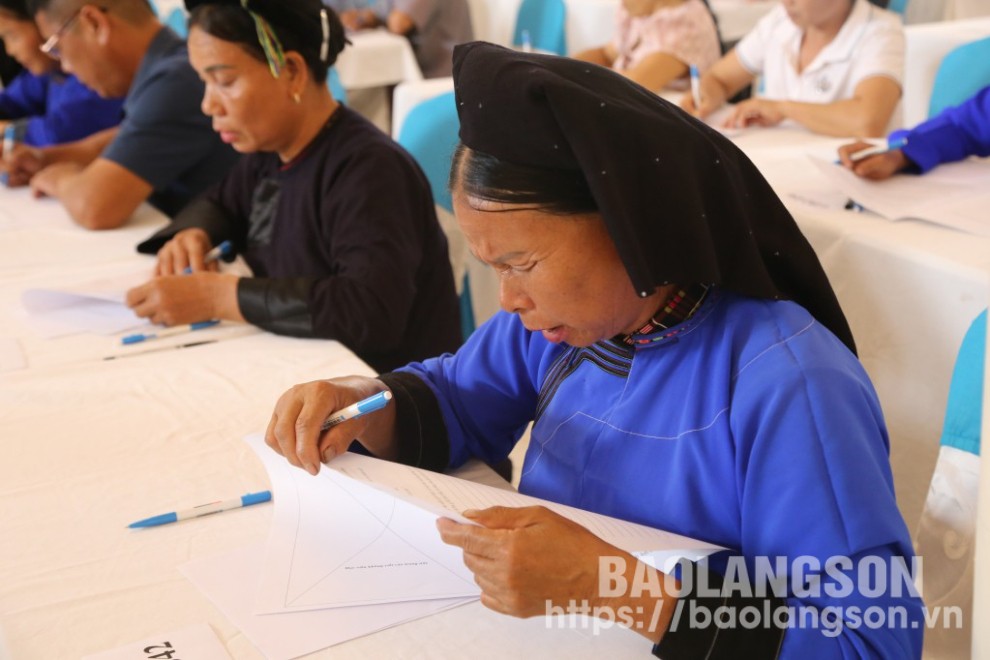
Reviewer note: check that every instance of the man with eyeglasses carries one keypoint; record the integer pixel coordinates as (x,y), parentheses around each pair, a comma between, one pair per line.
(164,151)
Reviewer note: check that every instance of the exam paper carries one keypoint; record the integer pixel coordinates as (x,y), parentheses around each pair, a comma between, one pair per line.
(228,581)
(954,195)
(338,542)
(95,305)
(447,496)
(364,532)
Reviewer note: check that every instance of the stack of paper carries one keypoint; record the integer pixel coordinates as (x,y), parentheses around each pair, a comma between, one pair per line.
(954,195)
(355,550)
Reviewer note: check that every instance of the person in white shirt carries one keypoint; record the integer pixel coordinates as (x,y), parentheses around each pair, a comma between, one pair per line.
(833,66)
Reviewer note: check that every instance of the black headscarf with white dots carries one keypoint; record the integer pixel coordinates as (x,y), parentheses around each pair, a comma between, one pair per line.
(681,202)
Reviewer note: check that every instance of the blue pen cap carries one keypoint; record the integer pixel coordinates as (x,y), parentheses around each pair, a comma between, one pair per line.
(256,498)
(132,339)
(373,403)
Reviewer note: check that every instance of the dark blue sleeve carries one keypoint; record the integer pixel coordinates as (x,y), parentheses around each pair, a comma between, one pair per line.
(488,390)
(954,134)
(73,112)
(24,97)
(165,133)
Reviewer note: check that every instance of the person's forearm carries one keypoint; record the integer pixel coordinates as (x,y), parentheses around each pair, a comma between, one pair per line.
(849,118)
(595,56)
(82,152)
(87,205)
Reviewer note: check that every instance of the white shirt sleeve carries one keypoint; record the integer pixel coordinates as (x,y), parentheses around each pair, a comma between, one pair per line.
(880,52)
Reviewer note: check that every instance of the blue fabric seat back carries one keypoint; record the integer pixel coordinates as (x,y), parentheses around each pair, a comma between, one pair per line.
(964,71)
(544,20)
(429,133)
(336,87)
(177,20)
(898,6)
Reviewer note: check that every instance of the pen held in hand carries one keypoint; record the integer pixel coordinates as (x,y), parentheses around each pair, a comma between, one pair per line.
(204,510)
(695,87)
(363,407)
(877,150)
(219,251)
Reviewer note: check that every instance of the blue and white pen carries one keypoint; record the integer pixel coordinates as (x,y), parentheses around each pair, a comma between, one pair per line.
(166,332)
(877,150)
(363,407)
(695,87)
(221,250)
(204,509)
(9,142)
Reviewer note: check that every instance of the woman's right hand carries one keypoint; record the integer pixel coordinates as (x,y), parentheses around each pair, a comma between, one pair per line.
(878,167)
(294,429)
(187,249)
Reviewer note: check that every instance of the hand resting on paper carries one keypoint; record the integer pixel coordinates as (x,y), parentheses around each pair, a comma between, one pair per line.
(22,164)
(528,559)
(878,167)
(294,429)
(187,248)
(179,299)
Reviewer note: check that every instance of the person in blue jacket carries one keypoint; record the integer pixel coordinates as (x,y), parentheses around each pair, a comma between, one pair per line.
(685,365)
(956,133)
(49,106)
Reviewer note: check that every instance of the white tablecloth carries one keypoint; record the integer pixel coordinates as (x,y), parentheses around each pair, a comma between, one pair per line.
(376,58)
(88,446)
(909,290)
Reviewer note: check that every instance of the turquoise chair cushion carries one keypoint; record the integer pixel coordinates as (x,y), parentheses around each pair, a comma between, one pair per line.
(544,20)
(963,72)
(963,413)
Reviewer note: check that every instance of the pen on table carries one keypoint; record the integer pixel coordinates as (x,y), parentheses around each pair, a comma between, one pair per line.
(9,141)
(166,332)
(695,87)
(221,250)
(160,348)
(363,407)
(877,150)
(204,509)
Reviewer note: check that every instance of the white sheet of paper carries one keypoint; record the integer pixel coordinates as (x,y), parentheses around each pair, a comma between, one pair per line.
(338,542)
(954,195)
(335,543)
(95,305)
(447,496)
(11,356)
(197,642)
(228,581)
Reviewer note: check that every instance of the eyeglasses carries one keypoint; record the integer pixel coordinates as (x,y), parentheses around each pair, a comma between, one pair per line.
(50,47)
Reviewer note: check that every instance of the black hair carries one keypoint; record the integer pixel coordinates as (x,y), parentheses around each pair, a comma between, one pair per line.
(17,8)
(556,191)
(234,24)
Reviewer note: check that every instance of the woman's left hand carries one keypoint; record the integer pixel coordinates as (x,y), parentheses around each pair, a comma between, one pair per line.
(179,299)
(755,112)
(524,557)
